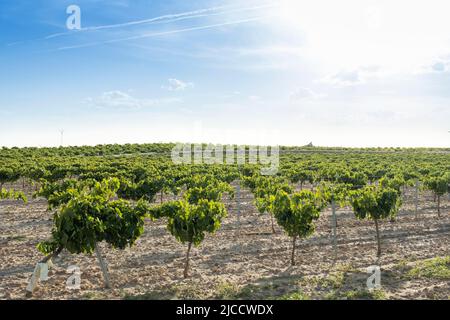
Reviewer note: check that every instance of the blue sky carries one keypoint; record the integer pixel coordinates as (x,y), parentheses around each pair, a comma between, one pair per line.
(353,73)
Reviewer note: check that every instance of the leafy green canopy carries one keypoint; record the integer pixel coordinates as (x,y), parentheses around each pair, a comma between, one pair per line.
(440,185)
(58,193)
(9,174)
(188,222)
(375,202)
(11,194)
(296,213)
(207,188)
(265,190)
(89,215)
(143,189)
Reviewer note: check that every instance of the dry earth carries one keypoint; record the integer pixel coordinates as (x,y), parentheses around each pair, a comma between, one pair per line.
(242,260)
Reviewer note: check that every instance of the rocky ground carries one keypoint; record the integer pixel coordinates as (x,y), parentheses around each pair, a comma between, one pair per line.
(243,260)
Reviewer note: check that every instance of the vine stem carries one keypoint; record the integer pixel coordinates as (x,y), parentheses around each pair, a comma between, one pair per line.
(51,256)
(103,267)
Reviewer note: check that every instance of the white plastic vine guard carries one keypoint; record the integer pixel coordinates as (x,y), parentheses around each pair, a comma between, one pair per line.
(43,275)
(40,273)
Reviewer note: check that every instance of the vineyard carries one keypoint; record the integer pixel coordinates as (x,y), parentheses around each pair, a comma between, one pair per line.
(138,226)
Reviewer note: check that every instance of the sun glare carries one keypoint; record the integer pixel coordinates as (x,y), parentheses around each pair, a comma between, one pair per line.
(378,33)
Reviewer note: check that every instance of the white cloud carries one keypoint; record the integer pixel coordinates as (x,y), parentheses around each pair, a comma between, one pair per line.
(344,78)
(122,100)
(353,77)
(254,98)
(304,94)
(439,65)
(177,85)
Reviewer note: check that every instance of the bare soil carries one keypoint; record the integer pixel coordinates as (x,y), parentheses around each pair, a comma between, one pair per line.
(242,260)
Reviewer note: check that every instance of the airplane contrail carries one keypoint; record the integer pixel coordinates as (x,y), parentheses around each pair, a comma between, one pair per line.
(161,19)
(132,23)
(148,35)
(189,14)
